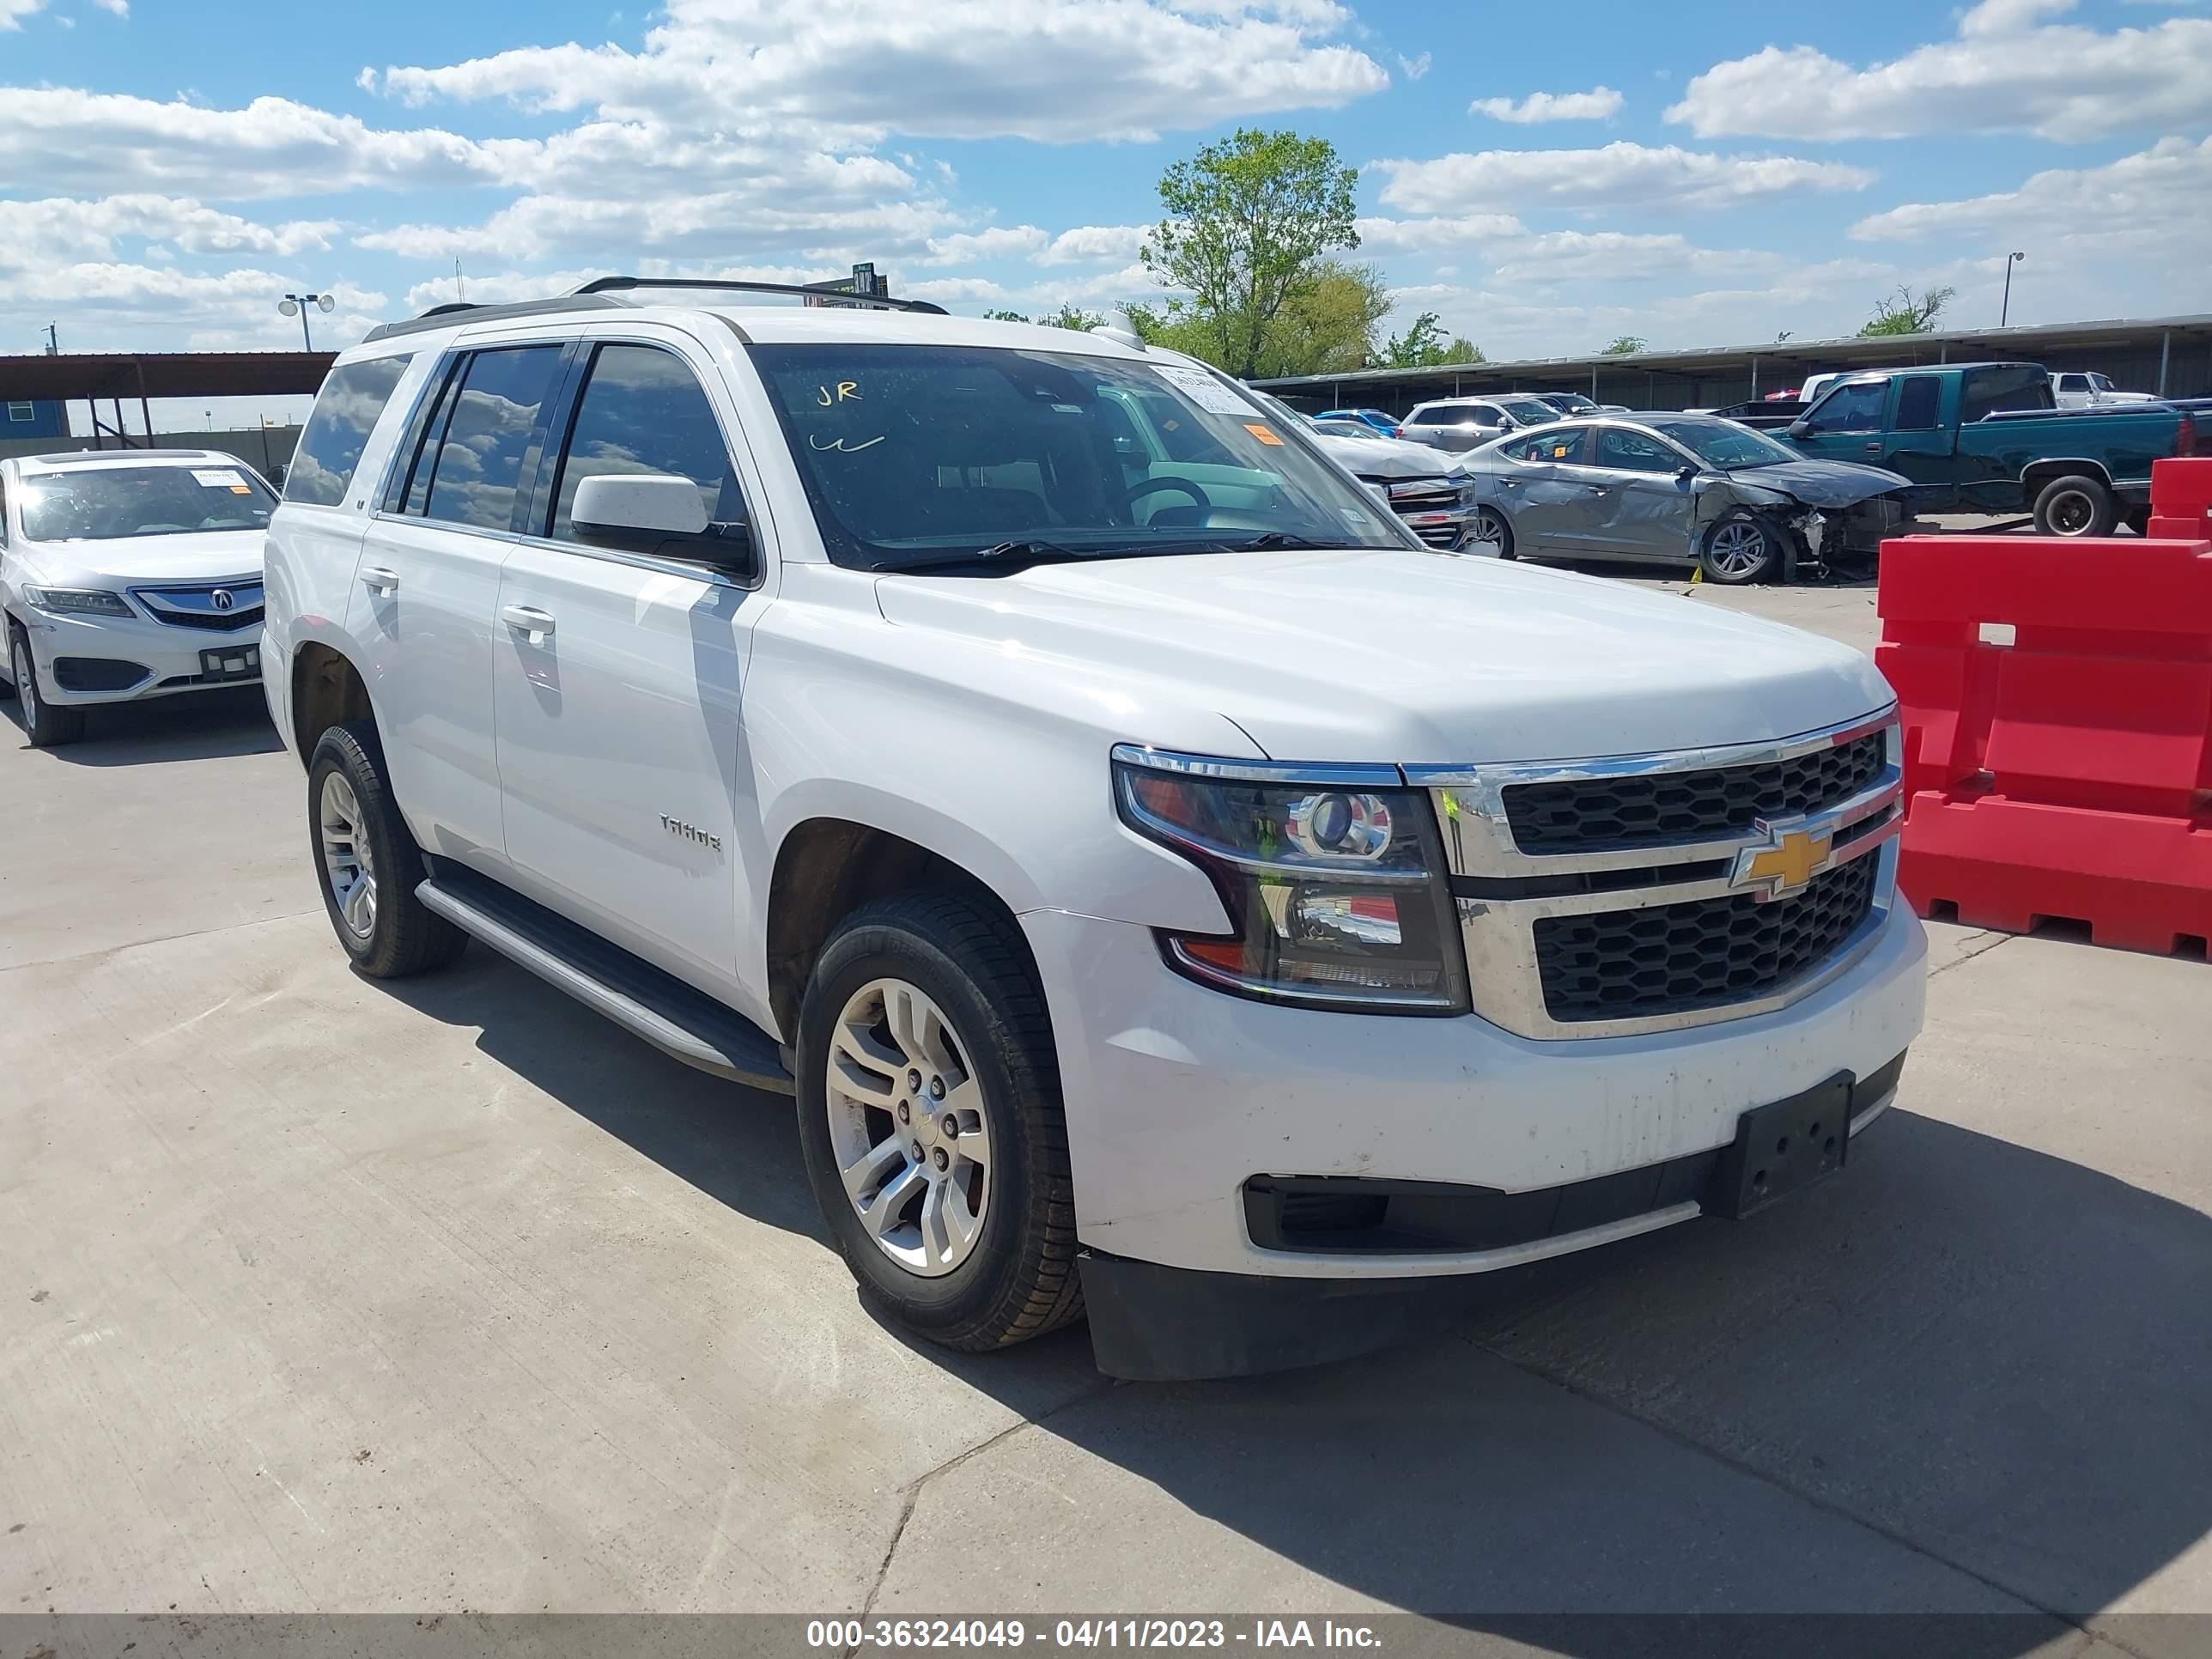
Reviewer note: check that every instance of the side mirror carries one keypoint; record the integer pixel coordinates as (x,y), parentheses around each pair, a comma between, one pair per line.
(657,513)
(1802,428)
(1685,472)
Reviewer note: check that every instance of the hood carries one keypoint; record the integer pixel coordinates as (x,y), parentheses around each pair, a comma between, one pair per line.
(188,556)
(1821,483)
(1407,657)
(1382,457)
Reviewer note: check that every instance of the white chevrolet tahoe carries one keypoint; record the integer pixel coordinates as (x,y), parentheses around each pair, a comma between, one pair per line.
(1170,890)
(127,575)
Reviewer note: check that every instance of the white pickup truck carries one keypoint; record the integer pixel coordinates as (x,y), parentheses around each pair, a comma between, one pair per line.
(1170,890)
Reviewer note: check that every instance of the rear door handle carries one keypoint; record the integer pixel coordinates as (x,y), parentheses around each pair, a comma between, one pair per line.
(382,581)
(528,619)
(1874,449)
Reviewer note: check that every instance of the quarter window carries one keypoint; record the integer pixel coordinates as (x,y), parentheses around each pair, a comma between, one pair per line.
(345,413)
(643,411)
(492,430)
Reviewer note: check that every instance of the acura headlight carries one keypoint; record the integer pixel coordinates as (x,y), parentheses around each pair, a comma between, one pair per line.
(1335,888)
(78,601)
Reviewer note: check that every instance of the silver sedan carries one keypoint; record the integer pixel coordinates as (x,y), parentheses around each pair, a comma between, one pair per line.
(1681,489)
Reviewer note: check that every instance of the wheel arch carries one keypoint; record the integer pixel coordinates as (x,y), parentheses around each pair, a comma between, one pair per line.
(826,868)
(327,689)
(2037,473)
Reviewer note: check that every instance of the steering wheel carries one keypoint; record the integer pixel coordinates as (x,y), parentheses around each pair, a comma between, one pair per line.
(1131,494)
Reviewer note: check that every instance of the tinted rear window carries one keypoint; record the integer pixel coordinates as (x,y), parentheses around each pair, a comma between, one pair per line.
(345,414)
(1915,402)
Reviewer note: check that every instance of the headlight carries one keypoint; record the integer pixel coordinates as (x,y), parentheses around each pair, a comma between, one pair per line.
(1336,893)
(78,601)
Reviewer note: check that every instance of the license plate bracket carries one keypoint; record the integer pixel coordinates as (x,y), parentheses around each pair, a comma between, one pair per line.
(236,662)
(1781,1148)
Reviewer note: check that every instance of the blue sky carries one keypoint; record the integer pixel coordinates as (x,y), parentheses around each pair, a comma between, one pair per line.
(1545,178)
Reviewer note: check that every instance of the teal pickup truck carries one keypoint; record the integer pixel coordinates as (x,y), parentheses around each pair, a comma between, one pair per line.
(1985,438)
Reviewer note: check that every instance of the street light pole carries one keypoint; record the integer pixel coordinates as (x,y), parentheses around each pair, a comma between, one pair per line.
(2006,310)
(299,303)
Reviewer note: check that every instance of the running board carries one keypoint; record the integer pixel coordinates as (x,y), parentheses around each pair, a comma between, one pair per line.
(674,1018)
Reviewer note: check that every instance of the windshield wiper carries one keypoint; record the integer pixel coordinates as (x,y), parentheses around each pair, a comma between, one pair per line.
(1029,551)
(1275,538)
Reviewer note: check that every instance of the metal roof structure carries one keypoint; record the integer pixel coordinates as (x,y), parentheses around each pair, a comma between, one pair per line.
(2159,343)
(109,374)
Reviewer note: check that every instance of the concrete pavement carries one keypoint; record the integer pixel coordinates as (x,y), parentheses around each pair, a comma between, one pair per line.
(321,1295)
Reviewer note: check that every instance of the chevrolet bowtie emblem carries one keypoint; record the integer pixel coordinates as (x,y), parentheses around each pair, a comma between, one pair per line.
(1790,860)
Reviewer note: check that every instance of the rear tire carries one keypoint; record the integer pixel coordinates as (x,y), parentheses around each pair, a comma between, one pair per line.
(368,861)
(45,725)
(2076,505)
(925,1003)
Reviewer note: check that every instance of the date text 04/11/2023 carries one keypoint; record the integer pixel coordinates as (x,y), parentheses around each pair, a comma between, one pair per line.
(1086,1634)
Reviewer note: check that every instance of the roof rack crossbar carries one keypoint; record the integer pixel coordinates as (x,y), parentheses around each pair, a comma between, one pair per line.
(625,284)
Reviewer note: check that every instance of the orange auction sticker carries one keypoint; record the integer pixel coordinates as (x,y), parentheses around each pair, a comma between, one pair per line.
(1263,433)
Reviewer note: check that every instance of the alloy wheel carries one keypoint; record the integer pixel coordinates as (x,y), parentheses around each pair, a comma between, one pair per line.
(27,683)
(348,864)
(2072,513)
(908,1129)
(1739,548)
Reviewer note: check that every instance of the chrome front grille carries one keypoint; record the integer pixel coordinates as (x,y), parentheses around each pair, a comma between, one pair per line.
(1650,892)
(1704,953)
(1578,814)
(1434,509)
(214,607)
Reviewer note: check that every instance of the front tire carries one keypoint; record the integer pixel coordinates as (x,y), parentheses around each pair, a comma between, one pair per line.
(2076,505)
(1739,551)
(929,1116)
(369,863)
(45,724)
(1489,525)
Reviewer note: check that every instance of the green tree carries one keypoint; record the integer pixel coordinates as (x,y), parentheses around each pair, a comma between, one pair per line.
(1908,312)
(1004,317)
(1423,346)
(1073,316)
(1328,324)
(1624,345)
(1245,221)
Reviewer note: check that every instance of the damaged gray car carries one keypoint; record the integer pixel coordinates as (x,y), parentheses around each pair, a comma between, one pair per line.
(1682,490)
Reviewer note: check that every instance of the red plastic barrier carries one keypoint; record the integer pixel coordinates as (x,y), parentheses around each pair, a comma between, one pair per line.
(2181,499)
(2068,773)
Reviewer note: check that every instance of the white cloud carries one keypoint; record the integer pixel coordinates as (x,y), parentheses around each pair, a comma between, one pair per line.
(1605,255)
(2126,237)
(59,228)
(946,289)
(1413,68)
(120,8)
(1598,104)
(1383,236)
(1057,70)
(12,12)
(2009,69)
(999,242)
(68,139)
(1090,242)
(1616,173)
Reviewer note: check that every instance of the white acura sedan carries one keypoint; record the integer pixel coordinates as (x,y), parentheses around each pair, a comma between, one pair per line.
(127,575)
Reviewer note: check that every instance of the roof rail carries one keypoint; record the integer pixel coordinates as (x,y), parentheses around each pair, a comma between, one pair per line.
(830,296)
(454,312)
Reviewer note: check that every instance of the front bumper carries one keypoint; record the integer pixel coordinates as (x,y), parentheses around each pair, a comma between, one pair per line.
(1176,1096)
(96,660)
(1150,1323)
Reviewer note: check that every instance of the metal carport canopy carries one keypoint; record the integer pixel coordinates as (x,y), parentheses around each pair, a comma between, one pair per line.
(72,375)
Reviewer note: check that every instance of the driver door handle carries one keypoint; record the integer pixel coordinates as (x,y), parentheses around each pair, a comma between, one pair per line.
(1874,449)
(380,580)
(528,619)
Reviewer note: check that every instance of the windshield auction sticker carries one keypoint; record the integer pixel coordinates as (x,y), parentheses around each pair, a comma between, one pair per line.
(222,478)
(1202,389)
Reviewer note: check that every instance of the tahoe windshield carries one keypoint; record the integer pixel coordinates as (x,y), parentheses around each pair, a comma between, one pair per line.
(111,503)
(1724,444)
(922,455)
